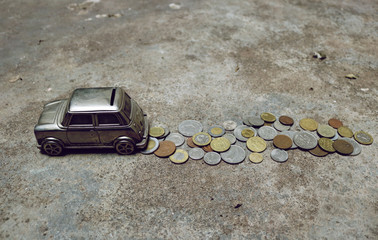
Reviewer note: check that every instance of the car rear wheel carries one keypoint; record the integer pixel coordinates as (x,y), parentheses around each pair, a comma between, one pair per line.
(52,148)
(125,147)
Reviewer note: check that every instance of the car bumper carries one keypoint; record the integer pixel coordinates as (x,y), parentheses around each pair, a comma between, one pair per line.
(143,144)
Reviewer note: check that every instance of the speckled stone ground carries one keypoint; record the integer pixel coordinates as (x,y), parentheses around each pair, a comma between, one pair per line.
(205,60)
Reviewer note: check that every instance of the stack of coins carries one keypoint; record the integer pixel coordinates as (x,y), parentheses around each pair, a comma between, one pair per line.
(233,142)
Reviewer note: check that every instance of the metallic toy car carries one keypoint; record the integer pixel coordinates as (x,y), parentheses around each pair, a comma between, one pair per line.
(92,118)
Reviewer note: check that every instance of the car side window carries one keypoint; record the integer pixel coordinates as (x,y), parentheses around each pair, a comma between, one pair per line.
(81,119)
(107,119)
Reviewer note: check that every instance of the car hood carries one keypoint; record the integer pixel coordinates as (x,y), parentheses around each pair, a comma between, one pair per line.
(50,112)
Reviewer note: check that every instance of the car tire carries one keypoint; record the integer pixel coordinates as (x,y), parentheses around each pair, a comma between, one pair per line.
(52,148)
(125,147)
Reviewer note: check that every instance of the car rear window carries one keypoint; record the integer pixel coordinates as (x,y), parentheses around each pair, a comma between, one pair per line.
(127,107)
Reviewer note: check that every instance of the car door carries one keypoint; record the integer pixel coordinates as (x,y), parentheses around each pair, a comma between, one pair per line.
(110,126)
(81,130)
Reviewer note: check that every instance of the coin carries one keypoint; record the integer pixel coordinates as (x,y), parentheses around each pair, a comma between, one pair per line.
(166,132)
(343,147)
(246,121)
(180,156)
(165,149)
(286,120)
(190,143)
(234,155)
(282,141)
(267,133)
(212,158)
(305,140)
(280,127)
(317,151)
(216,131)
(189,127)
(230,138)
(220,144)
(196,153)
(363,137)
(291,135)
(256,144)
(247,133)
(176,138)
(238,132)
(207,148)
(201,139)
(268,117)
(152,145)
(255,121)
(156,132)
(335,123)
(255,157)
(279,155)
(326,131)
(356,147)
(229,125)
(326,144)
(345,132)
(308,124)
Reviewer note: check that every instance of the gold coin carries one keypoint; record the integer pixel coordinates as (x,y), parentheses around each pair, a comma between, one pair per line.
(308,124)
(326,144)
(256,144)
(220,144)
(326,131)
(216,130)
(363,137)
(180,156)
(247,133)
(345,132)
(268,117)
(201,139)
(156,131)
(255,157)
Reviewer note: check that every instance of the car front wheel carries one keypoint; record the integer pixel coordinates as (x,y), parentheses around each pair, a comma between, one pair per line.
(52,148)
(125,147)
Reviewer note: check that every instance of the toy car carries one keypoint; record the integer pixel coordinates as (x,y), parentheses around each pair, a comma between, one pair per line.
(92,118)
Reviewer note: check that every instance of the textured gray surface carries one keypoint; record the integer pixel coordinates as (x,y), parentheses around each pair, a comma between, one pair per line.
(210,61)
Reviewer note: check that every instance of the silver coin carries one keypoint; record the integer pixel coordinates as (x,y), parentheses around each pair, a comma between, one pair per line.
(246,121)
(166,131)
(356,146)
(238,132)
(280,127)
(230,137)
(196,153)
(305,140)
(212,158)
(229,125)
(190,127)
(214,134)
(234,155)
(279,155)
(256,121)
(291,135)
(176,138)
(149,151)
(267,133)
(335,137)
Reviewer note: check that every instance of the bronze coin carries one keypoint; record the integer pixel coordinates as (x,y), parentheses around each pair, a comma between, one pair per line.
(318,152)
(343,147)
(286,120)
(166,148)
(207,148)
(282,141)
(190,143)
(335,123)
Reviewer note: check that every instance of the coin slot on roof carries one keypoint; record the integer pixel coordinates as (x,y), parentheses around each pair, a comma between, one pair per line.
(112,97)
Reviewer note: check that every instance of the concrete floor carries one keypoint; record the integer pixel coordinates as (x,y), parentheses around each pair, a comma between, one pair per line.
(205,60)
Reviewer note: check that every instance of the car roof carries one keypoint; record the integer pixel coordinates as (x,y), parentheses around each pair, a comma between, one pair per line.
(95,99)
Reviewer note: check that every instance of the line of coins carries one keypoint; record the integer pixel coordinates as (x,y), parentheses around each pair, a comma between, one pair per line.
(234,142)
